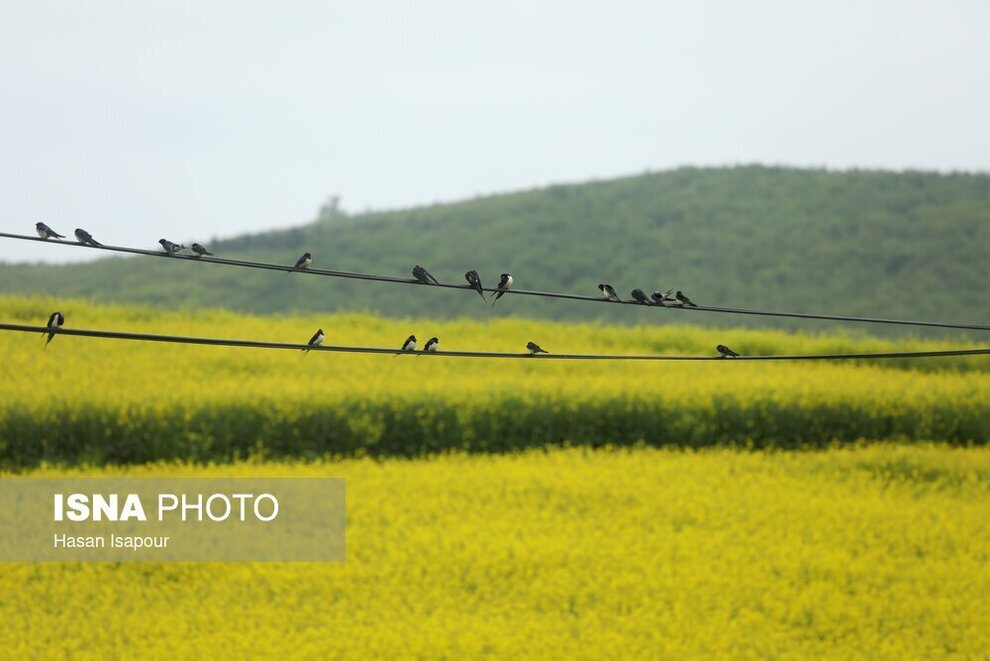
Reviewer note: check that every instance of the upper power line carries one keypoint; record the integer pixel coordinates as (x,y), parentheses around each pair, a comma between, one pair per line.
(204,258)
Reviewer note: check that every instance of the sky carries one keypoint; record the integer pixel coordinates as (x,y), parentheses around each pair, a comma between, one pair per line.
(196,120)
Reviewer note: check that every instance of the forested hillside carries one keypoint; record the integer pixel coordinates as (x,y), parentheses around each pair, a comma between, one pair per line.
(913,245)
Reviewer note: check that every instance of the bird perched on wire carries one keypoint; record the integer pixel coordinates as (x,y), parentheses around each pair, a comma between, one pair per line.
(432,344)
(726,352)
(54,321)
(662,299)
(86,238)
(316,340)
(46,232)
(199,250)
(609,293)
(424,276)
(169,247)
(684,300)
(504,285)
(640,297)
(302,263)
(534,348)
(474,280)
(409,344)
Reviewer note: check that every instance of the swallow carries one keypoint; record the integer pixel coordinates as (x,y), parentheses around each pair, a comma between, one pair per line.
(86,238)
(640,297)
(431,344)
(316,340)
(684,299)
(200,250)
(408,345)
(54,321)
(424,276)
(504,285)
(475,281)
(726,352)
(609,293)
(169,247)
(303,262)
(46,232)
(534,348)
(661,299)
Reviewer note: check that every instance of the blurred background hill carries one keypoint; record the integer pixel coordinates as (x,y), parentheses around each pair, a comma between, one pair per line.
(894,244)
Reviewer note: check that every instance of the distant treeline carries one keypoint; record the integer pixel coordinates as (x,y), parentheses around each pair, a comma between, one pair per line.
(912,245)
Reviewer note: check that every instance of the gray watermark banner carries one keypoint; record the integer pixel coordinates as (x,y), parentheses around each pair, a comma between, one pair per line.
(132,519)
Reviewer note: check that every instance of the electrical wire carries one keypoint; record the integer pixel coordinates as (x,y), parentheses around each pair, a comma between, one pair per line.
(516,292)
(256,344)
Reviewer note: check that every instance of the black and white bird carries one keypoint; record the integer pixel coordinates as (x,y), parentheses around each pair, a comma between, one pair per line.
(46,232)
(169,247)
(534,348)
(200,250)
(409,344)
(432,344)
(302,263)
(504,285)
(86,238)
(726,352)
(684,300)
(661,299)
(54,321)
(640,297)
(474,280)
(424,276)
(609,293)
(316,340)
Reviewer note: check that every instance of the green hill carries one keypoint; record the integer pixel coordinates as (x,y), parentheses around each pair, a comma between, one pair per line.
(912,245)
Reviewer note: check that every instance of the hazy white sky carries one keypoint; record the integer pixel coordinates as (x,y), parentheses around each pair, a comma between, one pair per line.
(189,120)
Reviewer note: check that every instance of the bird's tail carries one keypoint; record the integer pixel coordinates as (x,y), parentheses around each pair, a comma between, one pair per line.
(498,295)
(481,294)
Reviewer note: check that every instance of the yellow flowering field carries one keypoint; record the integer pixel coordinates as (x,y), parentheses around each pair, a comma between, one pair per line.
(100,400)
(876,551)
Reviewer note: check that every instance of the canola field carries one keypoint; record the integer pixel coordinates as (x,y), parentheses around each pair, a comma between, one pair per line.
(106,401)
(515,509)
(865,551)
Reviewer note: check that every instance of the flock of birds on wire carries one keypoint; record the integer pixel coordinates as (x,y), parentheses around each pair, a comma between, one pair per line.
(663,299)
